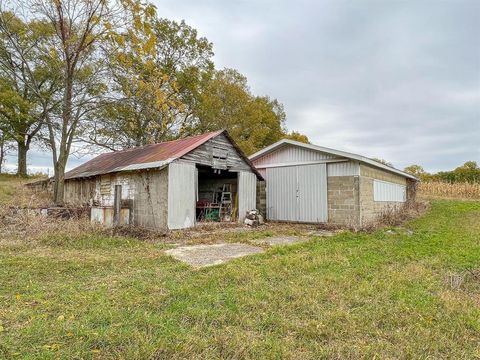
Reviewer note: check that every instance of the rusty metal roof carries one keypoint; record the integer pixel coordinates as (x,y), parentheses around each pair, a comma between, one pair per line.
(143,157)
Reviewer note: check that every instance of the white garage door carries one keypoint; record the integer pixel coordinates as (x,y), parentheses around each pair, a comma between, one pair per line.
(297,193)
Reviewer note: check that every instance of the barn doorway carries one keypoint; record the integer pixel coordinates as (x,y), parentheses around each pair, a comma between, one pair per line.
(217,195)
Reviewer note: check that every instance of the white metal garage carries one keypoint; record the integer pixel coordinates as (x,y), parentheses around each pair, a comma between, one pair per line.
(313,184)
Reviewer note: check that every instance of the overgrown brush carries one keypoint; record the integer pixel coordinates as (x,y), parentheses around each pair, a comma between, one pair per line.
(450,190)
(394,216)
(21,218)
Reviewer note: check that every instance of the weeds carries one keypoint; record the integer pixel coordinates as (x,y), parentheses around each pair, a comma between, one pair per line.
(462,280)
(395,216)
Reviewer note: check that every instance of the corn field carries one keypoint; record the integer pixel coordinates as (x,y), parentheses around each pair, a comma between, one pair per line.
(447,190)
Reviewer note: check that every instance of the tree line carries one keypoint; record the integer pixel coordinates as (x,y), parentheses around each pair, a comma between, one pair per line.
(113,74)
(469,172)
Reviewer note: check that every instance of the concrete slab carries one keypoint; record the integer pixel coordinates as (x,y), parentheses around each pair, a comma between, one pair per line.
(281,240)
(207,255)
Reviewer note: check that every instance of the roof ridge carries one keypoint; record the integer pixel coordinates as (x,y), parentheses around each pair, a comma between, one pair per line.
(347,154)
(163,142)
(165,151)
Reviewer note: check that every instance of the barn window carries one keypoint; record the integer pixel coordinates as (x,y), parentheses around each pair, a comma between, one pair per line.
(219,158)
(387,191)
(105,185)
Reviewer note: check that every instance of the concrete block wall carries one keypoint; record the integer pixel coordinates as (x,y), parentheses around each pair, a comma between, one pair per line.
(262,198)
(343,200)
(370,210)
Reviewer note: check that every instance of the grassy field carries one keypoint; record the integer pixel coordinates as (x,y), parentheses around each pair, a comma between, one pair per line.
(411,292)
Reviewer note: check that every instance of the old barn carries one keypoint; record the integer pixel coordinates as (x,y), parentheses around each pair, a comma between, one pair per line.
(170,185)
(314,184)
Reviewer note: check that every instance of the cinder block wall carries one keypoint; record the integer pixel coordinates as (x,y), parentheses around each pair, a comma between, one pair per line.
(370,209)
(262,198)
(343,200)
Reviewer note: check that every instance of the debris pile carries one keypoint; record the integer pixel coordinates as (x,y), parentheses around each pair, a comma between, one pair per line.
(253,218)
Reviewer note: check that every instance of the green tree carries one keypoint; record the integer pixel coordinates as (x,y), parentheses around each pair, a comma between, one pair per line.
(5,147)
(226,102)
(294,135)
(417,171)
(468,172)
(27,86)
(155,79)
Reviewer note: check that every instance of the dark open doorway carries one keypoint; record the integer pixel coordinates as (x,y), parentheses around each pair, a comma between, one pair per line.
(216,195)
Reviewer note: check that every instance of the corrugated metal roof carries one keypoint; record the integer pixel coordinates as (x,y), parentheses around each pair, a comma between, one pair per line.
(149,156)
(279,144)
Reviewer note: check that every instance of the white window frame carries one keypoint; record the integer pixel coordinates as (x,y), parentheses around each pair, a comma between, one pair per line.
(384,191)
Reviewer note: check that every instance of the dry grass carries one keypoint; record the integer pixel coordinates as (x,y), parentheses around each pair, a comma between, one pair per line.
(13,193)
(395,216)
(20,218)
(21,221)
(437,189)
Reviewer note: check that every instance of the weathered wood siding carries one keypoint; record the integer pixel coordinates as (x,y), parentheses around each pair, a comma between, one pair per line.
(218,153)
(80,191)
(144,192)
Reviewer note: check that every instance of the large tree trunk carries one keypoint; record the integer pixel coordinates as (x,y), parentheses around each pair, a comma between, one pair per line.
(64,148)
(22,158)
(59,187)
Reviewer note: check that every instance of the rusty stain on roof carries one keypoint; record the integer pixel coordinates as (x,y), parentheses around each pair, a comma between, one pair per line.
(143,157)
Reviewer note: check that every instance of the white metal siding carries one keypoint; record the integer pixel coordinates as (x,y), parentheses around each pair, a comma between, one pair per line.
(387,191)
(282,193)
(347,168)
(181,195)
(247,193)
(291,153)
(297,193)
(312,193)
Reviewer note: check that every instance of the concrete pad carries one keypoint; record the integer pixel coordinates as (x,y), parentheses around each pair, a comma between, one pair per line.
(207,255)
(281,240)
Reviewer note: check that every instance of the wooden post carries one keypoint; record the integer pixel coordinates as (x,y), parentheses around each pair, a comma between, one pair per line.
(117,200)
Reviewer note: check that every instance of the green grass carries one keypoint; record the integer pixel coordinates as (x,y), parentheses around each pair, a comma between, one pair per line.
(380,295)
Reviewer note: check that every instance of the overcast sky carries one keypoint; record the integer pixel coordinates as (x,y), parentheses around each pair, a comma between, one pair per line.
(399,80)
